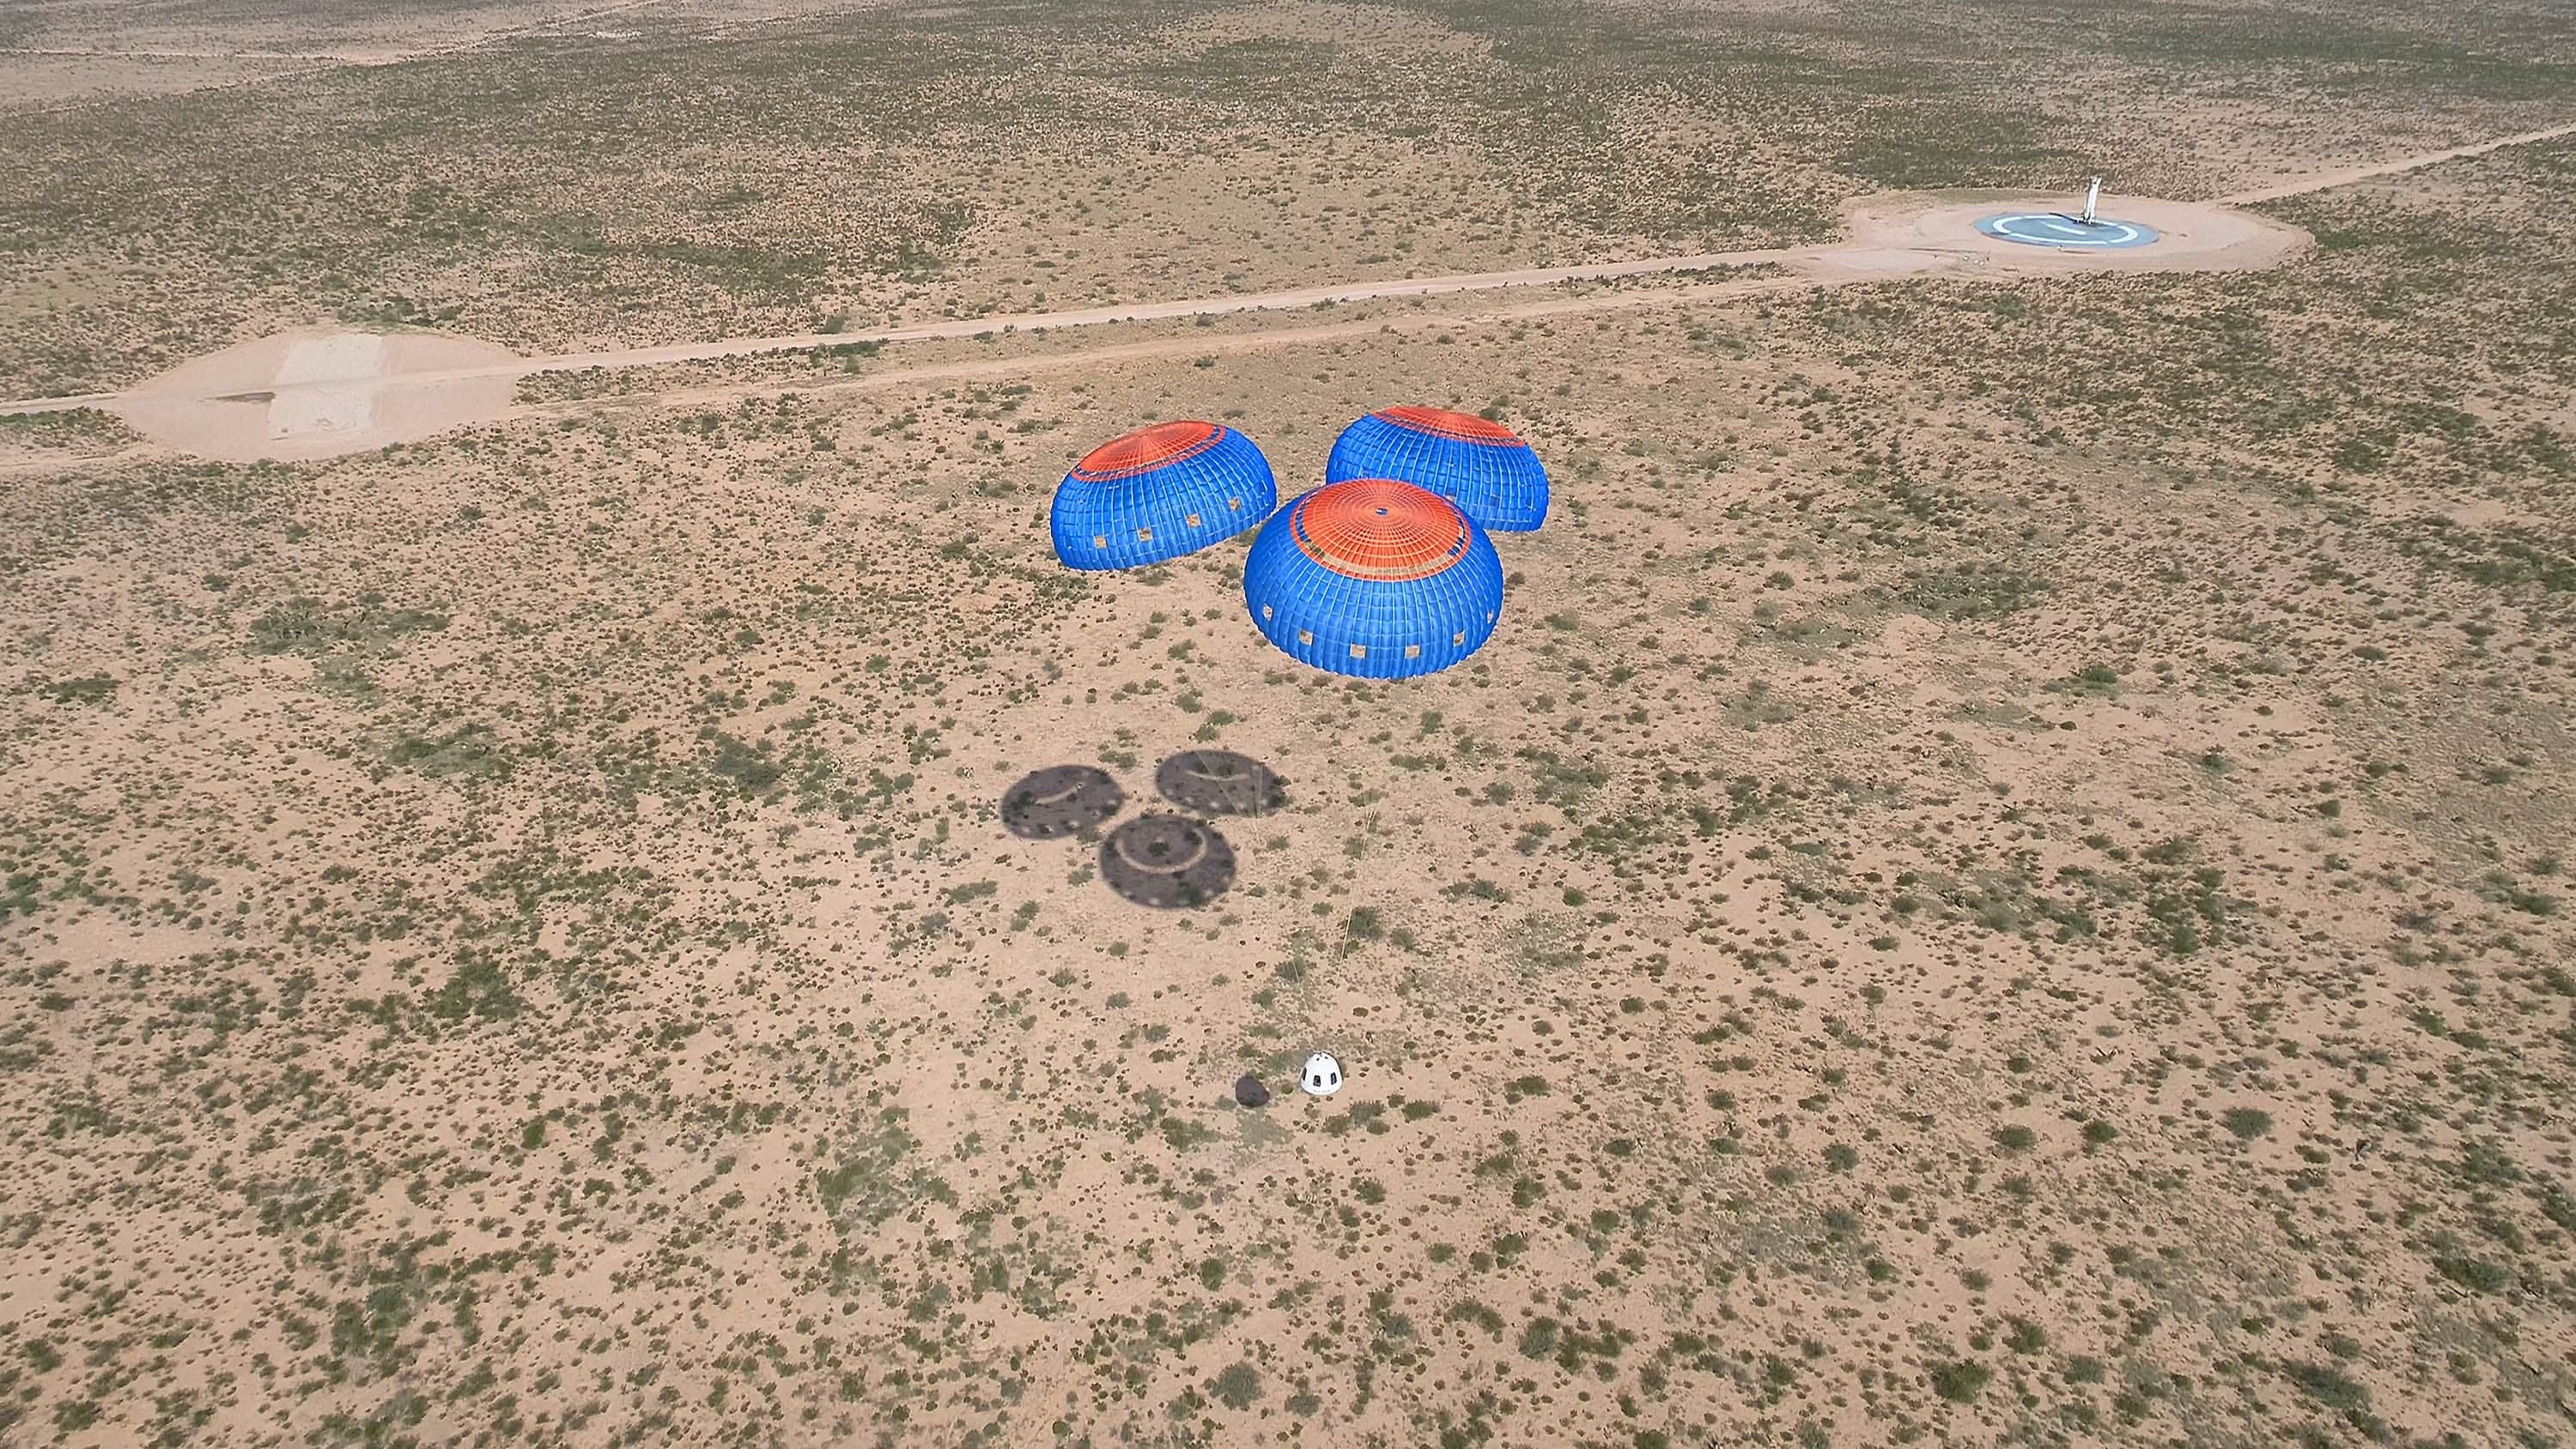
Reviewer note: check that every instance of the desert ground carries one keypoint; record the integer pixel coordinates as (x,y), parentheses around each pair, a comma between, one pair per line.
(2004,879)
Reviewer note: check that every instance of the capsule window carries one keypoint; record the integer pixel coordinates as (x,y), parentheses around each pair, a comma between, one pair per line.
(1305,636)
(1322,1076)
(1412,651)
(1192,520)
(1359,651)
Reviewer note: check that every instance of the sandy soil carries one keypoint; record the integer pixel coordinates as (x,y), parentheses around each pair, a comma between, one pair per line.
(417,384)
(83,54)
(423,385)
(2345,176)
(33,80)
(1962,868)
(342,35)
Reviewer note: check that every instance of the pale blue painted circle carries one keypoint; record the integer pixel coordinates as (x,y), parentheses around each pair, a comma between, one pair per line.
(2069,233)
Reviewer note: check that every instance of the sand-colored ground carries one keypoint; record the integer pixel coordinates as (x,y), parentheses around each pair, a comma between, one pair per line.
(2348,175)
(2002,881)
(77,53)
(254,401)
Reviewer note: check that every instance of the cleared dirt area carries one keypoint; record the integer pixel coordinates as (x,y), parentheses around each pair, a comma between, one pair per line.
(320,395)
(1941,229)
(414,385)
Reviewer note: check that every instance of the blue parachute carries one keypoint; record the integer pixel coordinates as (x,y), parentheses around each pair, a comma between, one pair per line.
(1481,466)
(1159,493)
(1375,578)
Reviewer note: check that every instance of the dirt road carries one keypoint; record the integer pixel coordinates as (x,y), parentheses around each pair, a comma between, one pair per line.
(1826,258)
(2328,180)
(420,389)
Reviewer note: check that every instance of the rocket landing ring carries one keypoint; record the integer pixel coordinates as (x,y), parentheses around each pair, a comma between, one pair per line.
(2067,233)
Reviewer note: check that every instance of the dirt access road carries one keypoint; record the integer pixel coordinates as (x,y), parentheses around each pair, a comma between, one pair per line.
(318,395)
(2328,180)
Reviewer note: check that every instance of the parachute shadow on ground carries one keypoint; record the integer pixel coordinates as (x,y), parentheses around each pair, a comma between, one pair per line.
(1167,862)
(1060,800)
(1220,782)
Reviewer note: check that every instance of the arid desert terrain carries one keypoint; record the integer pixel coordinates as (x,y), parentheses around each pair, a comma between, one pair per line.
(2003,880)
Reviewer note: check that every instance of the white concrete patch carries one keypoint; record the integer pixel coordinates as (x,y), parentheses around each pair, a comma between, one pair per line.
(300,407)
(341,357)
(322,394)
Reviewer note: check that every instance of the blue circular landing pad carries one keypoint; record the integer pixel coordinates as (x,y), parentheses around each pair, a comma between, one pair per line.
(2068,233)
